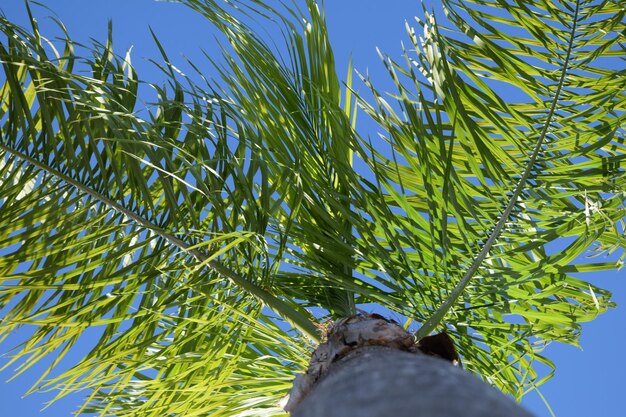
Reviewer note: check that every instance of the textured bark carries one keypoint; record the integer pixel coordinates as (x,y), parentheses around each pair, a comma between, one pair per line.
(375,381)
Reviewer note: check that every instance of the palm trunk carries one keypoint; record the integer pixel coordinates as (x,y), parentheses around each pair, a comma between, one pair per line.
(376,381)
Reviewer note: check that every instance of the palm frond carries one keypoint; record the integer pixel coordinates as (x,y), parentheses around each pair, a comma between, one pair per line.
(498,181)
(147,230)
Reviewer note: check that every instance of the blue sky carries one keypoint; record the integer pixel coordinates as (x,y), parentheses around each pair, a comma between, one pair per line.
(587,382)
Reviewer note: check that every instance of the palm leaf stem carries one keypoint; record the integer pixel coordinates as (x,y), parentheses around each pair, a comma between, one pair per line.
(436,318)
(298,319)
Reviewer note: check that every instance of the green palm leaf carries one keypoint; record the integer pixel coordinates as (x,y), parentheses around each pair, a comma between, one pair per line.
(502,179)
(113,191)
(193,235)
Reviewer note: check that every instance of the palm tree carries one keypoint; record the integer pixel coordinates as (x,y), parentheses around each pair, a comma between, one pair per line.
(205,240)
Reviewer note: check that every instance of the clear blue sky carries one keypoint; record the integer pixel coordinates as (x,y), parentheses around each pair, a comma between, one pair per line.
(588,382)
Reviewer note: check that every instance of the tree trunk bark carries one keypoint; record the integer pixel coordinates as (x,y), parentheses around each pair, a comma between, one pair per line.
(377,381)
